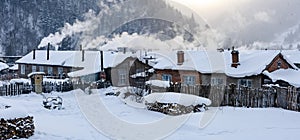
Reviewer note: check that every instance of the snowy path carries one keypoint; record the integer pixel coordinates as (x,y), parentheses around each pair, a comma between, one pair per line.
(102,117)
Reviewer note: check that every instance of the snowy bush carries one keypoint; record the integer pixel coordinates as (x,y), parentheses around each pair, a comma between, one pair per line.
(53,103)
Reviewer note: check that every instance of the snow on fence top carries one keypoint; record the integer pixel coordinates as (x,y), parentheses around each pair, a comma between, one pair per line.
(21,80)
(159,83)
(179,98)
(9,111)
(56,80)
(35,73)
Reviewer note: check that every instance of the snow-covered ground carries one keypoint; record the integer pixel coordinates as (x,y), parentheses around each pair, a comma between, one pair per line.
(97,116)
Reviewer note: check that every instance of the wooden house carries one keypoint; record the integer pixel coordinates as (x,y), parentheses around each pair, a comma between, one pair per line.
(242,68)
(130,72)
(52,63)
(253,66)
(175,67)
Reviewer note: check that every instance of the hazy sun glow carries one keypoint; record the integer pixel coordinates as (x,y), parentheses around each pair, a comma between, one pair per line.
(201,3)
(208,9)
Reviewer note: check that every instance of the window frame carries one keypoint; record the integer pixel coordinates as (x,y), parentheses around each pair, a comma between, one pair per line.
(122,76)
(23,69)
(246,83)
(50,70)
(41,69)
(33,68)
(166,77)
(189,80)
(217,81)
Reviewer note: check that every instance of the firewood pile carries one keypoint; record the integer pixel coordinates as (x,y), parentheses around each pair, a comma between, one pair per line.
(16,128)
(174,109)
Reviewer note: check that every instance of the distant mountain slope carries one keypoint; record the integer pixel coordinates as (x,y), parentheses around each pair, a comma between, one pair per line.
(25,22)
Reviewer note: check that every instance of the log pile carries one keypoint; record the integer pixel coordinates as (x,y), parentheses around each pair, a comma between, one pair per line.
(174,109)
(16,128)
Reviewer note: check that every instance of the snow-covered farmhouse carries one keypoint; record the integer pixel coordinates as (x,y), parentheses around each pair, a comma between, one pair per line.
(185,67)
(55,64)
(79,65)
(252,68)
(242,68)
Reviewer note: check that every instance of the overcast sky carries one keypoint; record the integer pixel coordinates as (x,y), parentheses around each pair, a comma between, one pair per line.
(248,20)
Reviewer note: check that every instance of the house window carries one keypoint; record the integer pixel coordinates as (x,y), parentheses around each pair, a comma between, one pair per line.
(166,77)
(60,70)
(122,77)
(217,81)
(189,80)
(279,64)
(41,68)
(245,82)
(22,69)
(33,68)
(50,71)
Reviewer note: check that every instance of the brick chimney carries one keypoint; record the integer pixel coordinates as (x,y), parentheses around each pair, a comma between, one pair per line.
(101,60)
(235,58)
(48,51)
(82,55)
(82,52)
(33,56)
(180,57)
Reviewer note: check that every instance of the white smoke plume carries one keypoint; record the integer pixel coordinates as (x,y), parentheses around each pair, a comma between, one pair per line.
(86,27)
(89,36)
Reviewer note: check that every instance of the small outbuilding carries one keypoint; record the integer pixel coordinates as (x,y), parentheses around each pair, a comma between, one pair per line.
(37,81)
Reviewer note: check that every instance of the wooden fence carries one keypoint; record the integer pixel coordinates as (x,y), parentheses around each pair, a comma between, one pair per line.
(11,90)
(18,89)
(283,97)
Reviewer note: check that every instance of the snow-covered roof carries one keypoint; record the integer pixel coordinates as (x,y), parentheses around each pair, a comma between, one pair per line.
(252,62)
(289,75)
(3,66)
(292,55)
(56,58)
(91,63)
(202,61)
